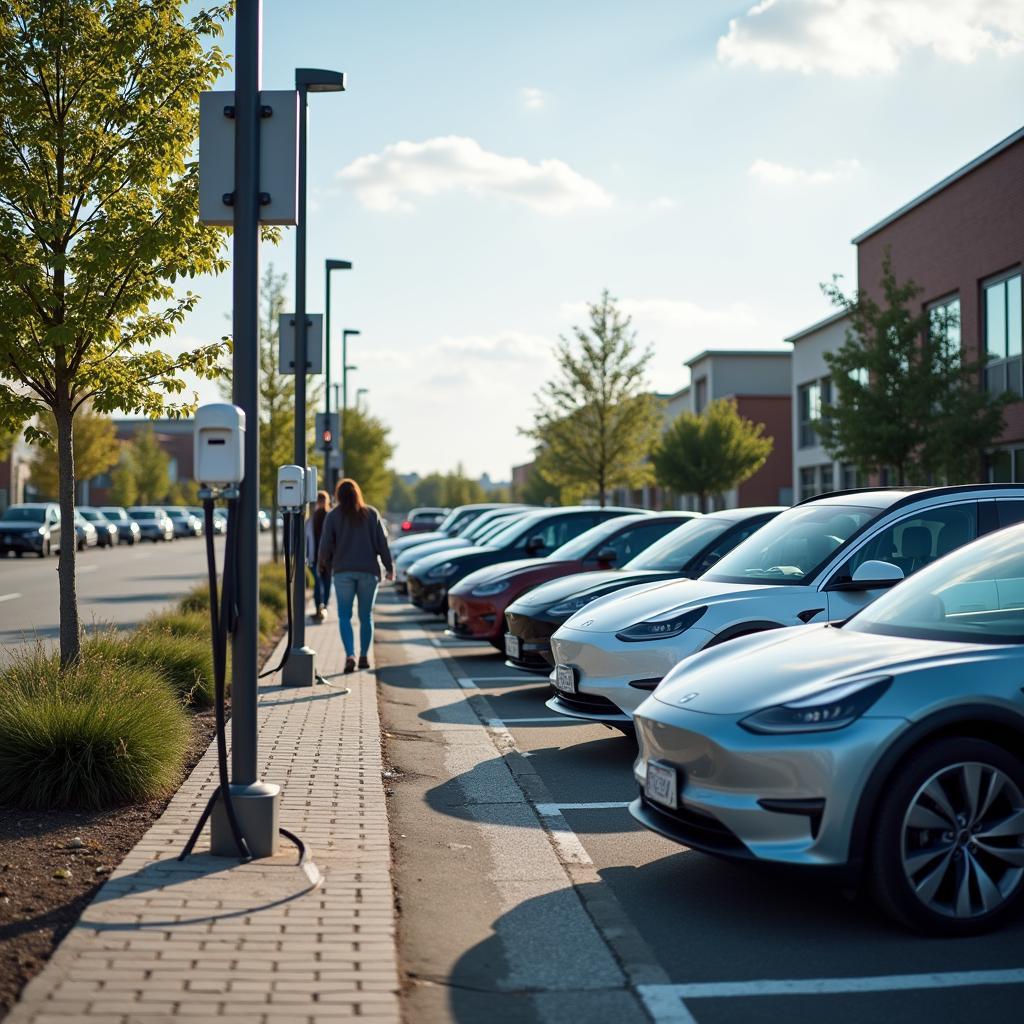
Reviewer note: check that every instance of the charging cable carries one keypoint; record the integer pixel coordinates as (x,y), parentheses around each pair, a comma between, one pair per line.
(291,518)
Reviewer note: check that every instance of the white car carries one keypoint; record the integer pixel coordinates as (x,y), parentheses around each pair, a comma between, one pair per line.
(820,561)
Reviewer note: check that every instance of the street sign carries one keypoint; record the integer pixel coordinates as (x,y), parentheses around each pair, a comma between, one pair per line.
(279,157)
(327,431)
(314,343)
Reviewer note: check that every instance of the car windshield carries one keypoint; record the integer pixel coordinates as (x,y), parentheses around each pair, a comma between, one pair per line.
(24,515)
(479,532)
(974,595)
(92,515)
(114,513)
(510,533)
(177,513)
(681,546)
(144,513)
(792,545)
(582,545)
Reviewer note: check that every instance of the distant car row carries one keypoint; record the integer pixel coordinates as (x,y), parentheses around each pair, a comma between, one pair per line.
(793,700)
(35,527)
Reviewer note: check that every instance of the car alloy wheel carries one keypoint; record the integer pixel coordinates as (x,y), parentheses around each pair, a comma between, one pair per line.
(955,821)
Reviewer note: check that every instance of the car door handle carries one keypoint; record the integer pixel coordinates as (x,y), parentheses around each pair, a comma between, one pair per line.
(808,614)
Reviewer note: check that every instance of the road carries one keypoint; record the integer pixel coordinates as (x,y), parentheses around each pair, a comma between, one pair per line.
(528,893)
(120,585)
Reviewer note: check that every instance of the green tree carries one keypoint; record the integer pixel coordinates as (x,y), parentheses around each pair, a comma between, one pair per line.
(595,421)
(150,465)
(904,398)
(8,438)
(123,489)
(402,496)
(98,201)
(96,449)
(710,453)
(536,490)
(368,454)
(430,491)
(460,489)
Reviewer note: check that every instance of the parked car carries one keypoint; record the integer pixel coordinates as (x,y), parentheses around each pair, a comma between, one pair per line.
(420,520)
(687,552)
(819,561)
(106,531)
(532,535)
(185,523)
(886,747)
(456,523)
(127,529)
(220,520)
(154,523)
(477,603)
(484,526)
(87,536)
(263,521)
(32,527)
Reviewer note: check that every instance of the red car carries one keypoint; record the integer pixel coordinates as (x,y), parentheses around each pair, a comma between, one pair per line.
(420,520)
(477,603)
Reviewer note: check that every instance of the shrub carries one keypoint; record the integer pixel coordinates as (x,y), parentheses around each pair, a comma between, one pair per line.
(196,600)
(275,597)
(269,621)
(179,623)
(92,736)
(186,662)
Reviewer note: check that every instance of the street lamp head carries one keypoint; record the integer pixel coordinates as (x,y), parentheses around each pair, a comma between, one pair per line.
(319,80)
(350,367)
(350,333)
(339,265)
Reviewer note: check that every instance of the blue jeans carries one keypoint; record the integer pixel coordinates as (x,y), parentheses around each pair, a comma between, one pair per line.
(321,588)
(349,587)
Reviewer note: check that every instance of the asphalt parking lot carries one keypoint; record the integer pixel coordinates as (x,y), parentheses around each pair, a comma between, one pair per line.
(632,927)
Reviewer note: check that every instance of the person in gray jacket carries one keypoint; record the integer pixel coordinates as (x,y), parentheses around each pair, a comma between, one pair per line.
(353,547)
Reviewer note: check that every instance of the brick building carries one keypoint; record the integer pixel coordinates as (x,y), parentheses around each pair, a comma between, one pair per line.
(962,241)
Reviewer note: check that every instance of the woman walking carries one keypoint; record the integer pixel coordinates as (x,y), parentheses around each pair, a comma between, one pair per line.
(353,547)
(314,534)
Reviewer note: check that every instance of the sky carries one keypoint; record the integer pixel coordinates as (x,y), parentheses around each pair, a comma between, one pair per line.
(494,166)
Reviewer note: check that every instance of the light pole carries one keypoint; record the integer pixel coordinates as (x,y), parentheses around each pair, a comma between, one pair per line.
(345,334)
(329,265)
(361,393)
(300,667)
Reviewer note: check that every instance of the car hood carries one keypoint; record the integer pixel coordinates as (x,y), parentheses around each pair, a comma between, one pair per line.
(417,551)
(12,527)
(511,571)
(595,583)
(642,602)
(430,561)
(784,665)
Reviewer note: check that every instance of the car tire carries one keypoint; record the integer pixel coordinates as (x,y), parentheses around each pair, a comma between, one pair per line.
(936,864)
(18,554)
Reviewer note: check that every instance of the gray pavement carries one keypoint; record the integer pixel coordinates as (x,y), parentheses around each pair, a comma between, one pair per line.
(487,773)
(119,585)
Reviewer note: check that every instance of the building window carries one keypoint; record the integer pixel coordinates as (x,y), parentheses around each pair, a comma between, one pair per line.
(827,479)
(1005,466)
(807,483)
(944,323)
(700,395)
(851,476)
(1002,310)
(809,404)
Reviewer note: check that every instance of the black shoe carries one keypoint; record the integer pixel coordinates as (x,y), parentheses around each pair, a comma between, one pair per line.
(364,661)
(350,666)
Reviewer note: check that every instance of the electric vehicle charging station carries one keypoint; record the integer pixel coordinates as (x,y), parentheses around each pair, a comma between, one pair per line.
(296,486)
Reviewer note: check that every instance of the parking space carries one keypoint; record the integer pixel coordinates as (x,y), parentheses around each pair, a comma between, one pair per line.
(729,942)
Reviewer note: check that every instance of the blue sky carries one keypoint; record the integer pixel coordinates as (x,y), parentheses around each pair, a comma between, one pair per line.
(494,166)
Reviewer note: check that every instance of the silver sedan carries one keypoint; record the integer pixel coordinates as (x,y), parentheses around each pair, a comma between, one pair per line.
(887,748)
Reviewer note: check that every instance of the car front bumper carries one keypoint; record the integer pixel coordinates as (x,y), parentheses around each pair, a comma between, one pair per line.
(22,540)
(429,596)
(535,640)
(787,798)
(621,673)
(474,618)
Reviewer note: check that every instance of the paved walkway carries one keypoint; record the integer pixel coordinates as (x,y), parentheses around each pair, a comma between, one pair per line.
(209,939)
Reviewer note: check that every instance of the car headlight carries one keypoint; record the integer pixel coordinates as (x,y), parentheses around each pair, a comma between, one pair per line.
(573,604)
(661,629)
(488,589)
(831,709)
(442,571)
(41,531)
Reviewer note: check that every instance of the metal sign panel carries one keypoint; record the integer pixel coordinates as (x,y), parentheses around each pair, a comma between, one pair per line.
(279,157)
(314,343)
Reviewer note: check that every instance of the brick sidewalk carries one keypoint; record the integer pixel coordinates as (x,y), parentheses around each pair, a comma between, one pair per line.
(209,939)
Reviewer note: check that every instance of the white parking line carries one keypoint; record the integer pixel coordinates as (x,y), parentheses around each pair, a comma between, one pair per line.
(666,1005)
(9,597)
(547,810)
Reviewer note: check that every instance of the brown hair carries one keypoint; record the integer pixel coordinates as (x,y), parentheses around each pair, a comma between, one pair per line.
(350,500)
(323,498)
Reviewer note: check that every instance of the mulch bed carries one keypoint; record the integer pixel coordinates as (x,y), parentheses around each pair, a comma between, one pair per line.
(39,903)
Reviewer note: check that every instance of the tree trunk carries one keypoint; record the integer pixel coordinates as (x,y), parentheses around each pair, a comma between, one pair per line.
(69,627)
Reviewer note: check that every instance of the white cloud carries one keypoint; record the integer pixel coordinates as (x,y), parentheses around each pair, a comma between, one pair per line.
(859,37)
(387,180)
(532,97)
(783,174)
(662,203)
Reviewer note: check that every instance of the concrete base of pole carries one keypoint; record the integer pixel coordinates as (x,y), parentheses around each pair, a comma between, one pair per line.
(300,668)
(257,807)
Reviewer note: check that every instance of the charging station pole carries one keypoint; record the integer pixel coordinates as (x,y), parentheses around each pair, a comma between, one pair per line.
(256,803)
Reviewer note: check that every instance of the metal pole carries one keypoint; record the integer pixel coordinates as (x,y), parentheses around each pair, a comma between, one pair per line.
(344,397)
(327,372)
(300,668)
(256,803)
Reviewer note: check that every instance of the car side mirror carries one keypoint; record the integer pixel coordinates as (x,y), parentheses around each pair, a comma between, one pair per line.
(534,544)
(607,555)
(874,574)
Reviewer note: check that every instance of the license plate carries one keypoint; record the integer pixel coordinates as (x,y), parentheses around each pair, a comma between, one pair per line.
(513,646)
(661,785)
(565,678)
(452,618)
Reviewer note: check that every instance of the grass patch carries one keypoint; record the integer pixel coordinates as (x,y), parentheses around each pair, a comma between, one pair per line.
(93,736)
(179,623)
